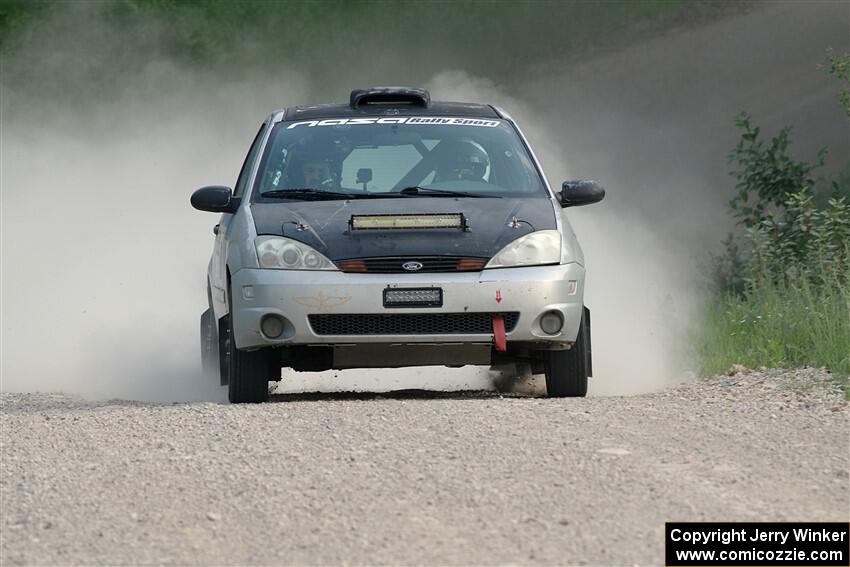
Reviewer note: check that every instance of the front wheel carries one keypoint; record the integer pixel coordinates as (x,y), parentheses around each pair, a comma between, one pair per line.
(248,381)
(567,370)
(247,371)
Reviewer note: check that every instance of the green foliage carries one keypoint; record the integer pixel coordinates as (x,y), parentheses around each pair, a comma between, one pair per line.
(782,293)
(839,67)
(209,32)
(783,223)
(801,242)
(15,15)
(108,42)
(790,324)
(766,175)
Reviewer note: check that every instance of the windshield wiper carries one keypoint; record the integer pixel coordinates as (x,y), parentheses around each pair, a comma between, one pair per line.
(417,191)
(312,193)
(307,193)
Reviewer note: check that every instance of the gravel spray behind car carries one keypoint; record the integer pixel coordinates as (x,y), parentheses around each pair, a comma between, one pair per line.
(394,231)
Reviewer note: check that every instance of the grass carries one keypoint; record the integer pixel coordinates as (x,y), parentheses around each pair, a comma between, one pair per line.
(781,325)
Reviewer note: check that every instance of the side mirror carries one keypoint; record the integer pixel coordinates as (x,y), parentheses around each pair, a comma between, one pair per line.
(215,199)
(580,192)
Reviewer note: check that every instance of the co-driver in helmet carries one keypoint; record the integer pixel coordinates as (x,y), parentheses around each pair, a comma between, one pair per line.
(460,160)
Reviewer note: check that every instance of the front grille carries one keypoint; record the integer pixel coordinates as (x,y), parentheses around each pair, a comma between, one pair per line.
(430,264)
(409,324)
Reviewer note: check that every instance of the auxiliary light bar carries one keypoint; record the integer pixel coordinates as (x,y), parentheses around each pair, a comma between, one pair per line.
(372,222)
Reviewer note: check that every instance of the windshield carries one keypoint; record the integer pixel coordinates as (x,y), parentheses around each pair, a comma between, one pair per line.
(396,157)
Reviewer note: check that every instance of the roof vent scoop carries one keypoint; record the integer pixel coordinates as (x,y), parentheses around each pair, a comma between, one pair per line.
(390,95)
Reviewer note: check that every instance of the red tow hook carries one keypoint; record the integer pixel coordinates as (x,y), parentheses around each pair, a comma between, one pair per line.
(499,333)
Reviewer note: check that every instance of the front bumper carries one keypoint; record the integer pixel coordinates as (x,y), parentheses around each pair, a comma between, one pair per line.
(295,295)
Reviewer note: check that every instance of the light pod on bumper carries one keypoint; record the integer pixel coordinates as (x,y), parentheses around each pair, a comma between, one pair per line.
(413,297)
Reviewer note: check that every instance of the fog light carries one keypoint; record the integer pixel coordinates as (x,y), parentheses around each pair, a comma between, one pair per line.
(272,326)
(551,322)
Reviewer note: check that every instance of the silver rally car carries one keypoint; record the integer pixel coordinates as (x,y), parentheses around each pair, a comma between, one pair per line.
(393,231)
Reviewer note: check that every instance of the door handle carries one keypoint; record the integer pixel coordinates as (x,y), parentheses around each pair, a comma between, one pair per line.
(215,229)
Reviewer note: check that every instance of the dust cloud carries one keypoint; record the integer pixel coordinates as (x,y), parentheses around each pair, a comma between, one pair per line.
(103,259)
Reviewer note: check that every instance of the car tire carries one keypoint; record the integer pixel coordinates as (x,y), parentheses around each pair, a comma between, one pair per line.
(247,372)
(209,344)
(567,370)
(248,376)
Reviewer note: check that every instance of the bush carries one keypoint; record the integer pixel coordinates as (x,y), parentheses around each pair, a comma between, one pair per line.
(765,174)
(839,67)
(790,223)
(800,243)
(781,294)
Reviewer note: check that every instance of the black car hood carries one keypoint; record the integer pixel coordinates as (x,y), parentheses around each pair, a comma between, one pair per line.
(324,225)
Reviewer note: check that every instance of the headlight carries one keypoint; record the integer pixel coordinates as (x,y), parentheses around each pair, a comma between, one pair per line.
(281,253)
(541,247)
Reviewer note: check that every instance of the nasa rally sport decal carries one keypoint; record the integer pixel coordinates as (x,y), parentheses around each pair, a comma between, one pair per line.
(434,120)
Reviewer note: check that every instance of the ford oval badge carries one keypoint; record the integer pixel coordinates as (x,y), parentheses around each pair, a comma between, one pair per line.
(412,266)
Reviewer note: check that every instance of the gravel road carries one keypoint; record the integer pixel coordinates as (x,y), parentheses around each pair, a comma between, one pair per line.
(410,478)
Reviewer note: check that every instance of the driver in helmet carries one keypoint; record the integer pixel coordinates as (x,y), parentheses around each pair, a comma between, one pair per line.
(316,165)
(461,160)
(318,173)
